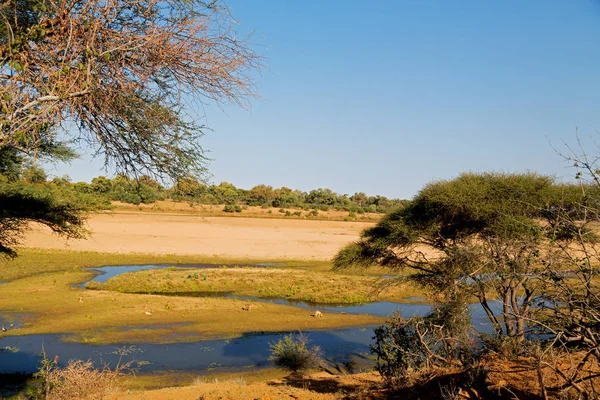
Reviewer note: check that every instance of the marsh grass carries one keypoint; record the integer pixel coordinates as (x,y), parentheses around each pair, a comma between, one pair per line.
(280,283)
(31,262)
(46,298)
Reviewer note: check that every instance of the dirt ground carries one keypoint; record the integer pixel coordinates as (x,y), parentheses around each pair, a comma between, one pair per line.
(314,386)
(234,237)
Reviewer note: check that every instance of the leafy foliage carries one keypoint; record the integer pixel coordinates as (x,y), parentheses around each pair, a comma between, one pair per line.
(481,235)
(294,354)
(120,77)
(61,210)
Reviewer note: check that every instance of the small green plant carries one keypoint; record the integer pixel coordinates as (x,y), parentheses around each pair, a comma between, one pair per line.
(352,214)
(313,213)
(193,276)
(294,354)
(230,208)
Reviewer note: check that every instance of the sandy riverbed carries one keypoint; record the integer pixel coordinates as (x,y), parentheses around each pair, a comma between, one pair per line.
(234,237)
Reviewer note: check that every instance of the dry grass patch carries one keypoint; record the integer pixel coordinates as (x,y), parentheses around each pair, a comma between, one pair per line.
(207,210)
(317,386)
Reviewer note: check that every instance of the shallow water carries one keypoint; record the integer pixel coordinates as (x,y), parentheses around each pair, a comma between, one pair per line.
(251,350)
(248,351)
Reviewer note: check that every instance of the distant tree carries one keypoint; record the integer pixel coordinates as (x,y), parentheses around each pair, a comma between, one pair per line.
(322,197)
(61,180)
(188,187)
(101,184)
(83,187)
(286,197)
(261,195)
(359,198)
(34,174)
(226,193)
(148,181)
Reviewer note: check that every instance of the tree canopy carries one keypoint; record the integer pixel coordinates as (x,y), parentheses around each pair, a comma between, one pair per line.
(477,236)
(118,74)
(124,76)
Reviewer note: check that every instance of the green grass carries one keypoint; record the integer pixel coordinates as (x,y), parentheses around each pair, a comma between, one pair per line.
(31,262)
(40,286)
(292,284)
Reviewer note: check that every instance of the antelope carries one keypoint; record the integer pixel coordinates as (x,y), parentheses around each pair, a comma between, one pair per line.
(81,299)
(247,307)
(318,314)
(3,329)
(148,312)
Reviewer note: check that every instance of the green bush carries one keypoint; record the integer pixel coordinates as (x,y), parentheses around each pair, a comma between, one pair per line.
(294,354)
(232,208)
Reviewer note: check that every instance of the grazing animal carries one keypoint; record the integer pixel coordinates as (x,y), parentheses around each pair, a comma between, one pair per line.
(12,326)
(247,307)
(3,329)
(318,314)
(80,299)
(148,312)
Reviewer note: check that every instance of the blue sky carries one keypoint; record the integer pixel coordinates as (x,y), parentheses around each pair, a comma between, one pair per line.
(385,96)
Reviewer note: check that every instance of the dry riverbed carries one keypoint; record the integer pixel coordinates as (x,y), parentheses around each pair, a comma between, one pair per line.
(233,237)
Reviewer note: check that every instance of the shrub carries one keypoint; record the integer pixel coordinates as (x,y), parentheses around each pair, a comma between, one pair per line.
(78,380)
(442,338)
(232,208)
(294,354)
(313,213)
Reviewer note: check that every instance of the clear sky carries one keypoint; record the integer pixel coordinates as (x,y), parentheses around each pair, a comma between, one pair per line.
(385,96)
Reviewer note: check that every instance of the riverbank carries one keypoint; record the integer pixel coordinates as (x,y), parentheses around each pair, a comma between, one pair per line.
(50,301)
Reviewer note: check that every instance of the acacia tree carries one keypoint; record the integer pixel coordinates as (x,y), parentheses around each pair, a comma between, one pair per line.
(479,236)
(121,75)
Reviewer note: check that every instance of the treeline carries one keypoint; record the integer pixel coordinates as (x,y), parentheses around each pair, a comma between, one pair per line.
(147,190)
